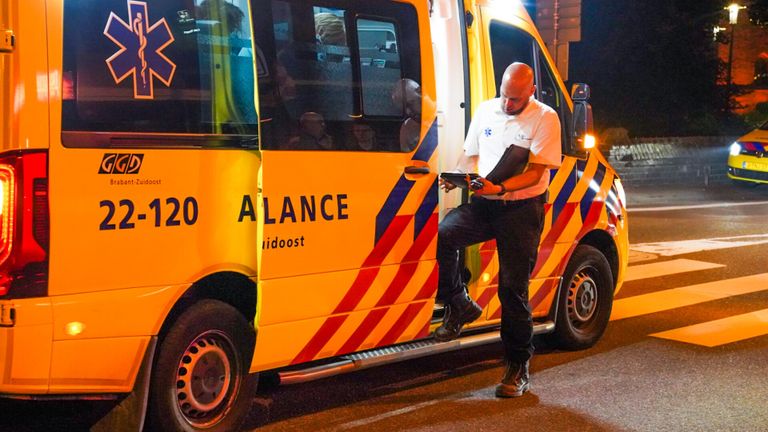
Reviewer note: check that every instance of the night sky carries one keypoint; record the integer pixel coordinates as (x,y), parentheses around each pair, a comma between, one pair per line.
(652,65)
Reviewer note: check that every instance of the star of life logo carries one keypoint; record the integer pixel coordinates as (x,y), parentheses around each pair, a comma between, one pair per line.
(488,132)
(141,50)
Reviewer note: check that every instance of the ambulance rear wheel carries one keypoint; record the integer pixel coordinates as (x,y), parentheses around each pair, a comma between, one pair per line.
(200,380)
(586,300)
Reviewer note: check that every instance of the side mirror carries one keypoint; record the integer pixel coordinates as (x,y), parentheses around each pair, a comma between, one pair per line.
(582,118)
(583,123)
(581,92)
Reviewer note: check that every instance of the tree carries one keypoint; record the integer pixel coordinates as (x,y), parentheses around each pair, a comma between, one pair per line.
(652,65)
(758,11)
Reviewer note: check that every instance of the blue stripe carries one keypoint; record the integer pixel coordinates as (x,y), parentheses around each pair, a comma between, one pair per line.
(426,209)
(427,146)
(592,189)
(392,205)
(758,145)
(564,194)
(397,197)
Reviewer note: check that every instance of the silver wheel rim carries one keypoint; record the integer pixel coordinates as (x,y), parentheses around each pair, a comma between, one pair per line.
(205,378)
(582,299)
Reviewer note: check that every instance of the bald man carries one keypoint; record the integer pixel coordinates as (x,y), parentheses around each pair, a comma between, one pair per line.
(406,96)
(507,209)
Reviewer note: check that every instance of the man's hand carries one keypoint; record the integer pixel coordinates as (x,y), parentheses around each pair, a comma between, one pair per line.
(446,185)
(488,187)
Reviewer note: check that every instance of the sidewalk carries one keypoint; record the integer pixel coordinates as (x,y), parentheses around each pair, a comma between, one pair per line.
(644,196)
(662,161)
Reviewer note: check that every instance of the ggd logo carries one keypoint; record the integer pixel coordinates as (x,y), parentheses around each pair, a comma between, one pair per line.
(121,163)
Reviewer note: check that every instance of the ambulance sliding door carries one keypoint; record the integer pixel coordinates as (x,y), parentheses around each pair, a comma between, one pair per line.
(349,180)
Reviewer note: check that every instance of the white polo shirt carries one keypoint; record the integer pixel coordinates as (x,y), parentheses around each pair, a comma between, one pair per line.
(537,128)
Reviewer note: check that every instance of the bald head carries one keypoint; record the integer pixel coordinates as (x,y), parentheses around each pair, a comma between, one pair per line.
(407,94)
(312,124)
(516,88)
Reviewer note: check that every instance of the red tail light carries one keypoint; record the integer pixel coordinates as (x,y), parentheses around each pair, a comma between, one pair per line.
(24,224)
(7,209)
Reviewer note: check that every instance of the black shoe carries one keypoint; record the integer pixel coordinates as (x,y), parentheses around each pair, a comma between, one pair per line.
(515,381)
(459,311)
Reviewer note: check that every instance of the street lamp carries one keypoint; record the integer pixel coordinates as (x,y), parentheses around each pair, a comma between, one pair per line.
(733,19)
(733,12)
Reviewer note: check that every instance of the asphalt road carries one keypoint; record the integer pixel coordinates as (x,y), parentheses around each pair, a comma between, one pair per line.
(690,266)
(630,381)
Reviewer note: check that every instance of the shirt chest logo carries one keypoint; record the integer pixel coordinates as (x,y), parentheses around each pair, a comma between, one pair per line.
(488,132)
(521,136)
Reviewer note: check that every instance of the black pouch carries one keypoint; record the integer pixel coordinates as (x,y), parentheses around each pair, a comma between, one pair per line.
(512,163)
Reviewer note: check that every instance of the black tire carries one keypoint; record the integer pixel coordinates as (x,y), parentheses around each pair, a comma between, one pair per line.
(586,300)
(208,349)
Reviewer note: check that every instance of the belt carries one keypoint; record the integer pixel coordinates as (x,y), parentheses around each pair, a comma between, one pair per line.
(543,198)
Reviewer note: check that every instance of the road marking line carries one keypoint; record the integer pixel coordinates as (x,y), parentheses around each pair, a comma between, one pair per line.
(722,331)
(694,206)
(637,256)
(687,296)
(664,268)
(397,412)
(681,247)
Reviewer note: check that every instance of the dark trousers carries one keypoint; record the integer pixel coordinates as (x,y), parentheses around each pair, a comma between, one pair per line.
(516,226)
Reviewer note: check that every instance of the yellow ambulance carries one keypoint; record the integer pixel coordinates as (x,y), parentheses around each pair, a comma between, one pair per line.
(196,191)
(746,163)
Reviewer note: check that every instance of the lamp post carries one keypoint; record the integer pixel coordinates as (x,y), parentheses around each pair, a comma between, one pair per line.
(733,19)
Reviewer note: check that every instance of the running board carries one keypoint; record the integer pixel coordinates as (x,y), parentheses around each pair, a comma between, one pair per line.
(395,353)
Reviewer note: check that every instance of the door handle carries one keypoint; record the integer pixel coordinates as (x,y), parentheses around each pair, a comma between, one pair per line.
(416,170)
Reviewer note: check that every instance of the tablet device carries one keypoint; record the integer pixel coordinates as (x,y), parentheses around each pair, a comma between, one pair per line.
(458,179)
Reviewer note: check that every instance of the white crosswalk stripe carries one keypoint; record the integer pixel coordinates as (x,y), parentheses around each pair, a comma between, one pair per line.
(681,247)
(695,207)
(722,331)
(711,333)
(660,301)
(664,268)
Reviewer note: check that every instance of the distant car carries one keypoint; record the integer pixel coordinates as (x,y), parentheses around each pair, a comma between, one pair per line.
(748,158)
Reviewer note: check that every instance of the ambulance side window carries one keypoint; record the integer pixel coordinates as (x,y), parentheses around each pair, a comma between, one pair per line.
(314,76)
(379,66)
(509,45)
(331,74)
(547,88)
(161,73)
(550,93)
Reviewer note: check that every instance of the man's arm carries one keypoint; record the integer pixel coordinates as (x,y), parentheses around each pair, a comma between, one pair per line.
(531,176)
(466,163)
